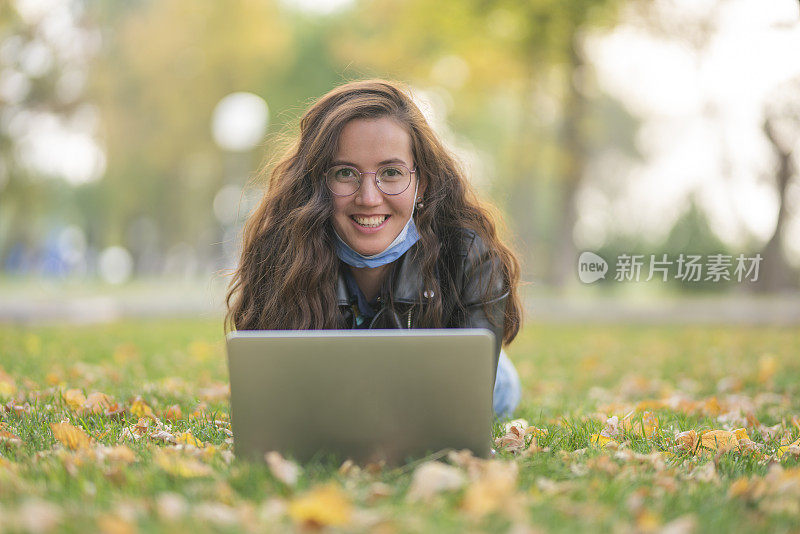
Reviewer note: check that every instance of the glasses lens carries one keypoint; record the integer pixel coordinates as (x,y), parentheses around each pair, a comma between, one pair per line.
(393,179)
(342,180)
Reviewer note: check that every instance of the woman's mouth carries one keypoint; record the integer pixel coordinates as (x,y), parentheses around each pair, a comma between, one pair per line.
(374,221)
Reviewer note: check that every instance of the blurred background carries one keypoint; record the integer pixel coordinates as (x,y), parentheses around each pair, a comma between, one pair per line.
(132,132)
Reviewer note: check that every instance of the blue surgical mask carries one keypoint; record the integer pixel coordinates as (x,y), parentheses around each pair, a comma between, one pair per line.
(404,240)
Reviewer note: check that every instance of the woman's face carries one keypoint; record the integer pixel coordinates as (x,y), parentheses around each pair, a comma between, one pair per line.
(367,144)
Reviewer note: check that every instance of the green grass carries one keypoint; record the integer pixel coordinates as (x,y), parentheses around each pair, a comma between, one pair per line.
(573,378)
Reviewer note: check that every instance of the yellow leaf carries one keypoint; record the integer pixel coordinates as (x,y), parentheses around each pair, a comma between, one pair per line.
(602,441)
(177,464)
(186,438)
(687,440)
(74,398)
(784,448)
(121,454)
(719,440)
(741,433)
(70,436)
(767,367)
(322,506)
(139,408)
(7,385)
(493,490)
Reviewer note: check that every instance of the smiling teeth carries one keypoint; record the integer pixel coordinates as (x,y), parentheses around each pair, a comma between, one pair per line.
(370,221)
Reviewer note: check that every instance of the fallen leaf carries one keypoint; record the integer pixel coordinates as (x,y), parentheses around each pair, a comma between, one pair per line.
(8,436)
(39,516)
(687,441)
(139,408)
(174,462)
(432,478)
(284,470)
(171,506)
(99,403)
(74,398)
(719,440)
(120,454)
(322,506)
(603,441)
(186,438)
(493,490)
(767,367)
(783,449)
(70,436)
(173,413)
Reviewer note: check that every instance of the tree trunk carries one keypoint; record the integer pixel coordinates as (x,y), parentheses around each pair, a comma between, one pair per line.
(775,273)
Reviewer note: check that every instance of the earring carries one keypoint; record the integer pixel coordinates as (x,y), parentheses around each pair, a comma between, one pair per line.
(420,204)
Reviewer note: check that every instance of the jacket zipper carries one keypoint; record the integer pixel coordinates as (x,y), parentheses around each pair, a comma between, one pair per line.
(409,318)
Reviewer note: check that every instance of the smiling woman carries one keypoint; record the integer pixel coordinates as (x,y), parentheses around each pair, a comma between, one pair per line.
(369,222)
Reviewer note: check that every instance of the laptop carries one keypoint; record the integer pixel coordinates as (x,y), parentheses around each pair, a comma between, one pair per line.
(366,395)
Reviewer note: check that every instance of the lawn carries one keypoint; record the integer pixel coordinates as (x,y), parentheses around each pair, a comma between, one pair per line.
(124,428)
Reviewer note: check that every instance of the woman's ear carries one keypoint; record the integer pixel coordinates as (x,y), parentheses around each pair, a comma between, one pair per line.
(423,183)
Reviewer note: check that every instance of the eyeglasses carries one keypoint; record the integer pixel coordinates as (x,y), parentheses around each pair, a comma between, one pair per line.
(345,180)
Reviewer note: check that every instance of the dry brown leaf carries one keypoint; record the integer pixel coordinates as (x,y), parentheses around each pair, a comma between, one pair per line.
(120,454)
(218,391)
(493,490)
(721,441)
(284,470)
(8,436)
(171,506)
(432,478)
(74,398)
(114,524)
(98,403)
(39,516)
(322,506)
(70,436)
(687,441)
(173,413)
(174,462)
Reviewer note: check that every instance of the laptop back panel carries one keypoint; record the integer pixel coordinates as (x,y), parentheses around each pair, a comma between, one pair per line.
(380,395)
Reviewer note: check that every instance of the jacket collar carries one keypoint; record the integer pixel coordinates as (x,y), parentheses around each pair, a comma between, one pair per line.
(407,281)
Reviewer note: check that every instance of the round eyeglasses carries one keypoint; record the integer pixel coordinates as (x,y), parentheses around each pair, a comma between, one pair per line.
(345,180)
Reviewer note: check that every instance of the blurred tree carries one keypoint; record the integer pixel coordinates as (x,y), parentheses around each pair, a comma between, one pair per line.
(44,56)
(163,68)
(520,79)
(782,128)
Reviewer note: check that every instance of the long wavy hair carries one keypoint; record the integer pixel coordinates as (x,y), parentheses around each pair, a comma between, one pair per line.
(288,271)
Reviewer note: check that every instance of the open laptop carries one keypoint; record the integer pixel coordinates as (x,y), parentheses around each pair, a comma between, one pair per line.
(366,395)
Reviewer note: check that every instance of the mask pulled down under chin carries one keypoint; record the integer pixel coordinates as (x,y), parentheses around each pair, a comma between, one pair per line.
(404,240)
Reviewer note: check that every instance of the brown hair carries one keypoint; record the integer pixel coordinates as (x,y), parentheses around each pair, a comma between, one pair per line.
(288,270)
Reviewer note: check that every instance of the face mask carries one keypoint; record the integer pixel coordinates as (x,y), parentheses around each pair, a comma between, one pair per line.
(404,240)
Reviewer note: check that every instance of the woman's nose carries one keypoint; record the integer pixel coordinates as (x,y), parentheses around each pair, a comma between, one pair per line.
(369,194)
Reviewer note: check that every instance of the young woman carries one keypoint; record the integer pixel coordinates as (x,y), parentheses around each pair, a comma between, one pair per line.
(369,222)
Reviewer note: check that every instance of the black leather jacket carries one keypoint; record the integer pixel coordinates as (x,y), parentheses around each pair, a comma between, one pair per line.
(472,269)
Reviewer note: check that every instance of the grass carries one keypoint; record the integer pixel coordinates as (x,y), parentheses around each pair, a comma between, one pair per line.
(574,378)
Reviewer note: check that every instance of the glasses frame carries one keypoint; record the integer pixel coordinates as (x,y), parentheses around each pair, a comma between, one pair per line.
(375,173)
